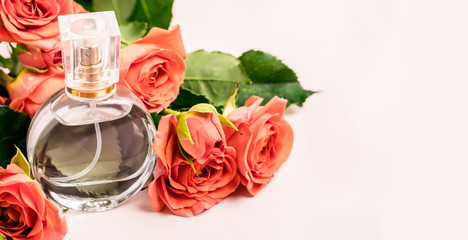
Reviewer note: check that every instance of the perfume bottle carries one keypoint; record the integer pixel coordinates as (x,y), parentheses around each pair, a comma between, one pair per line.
(90,144)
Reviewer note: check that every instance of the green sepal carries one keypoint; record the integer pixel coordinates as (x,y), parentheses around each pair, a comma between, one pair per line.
(182,128)
(168,111)
(231,102)
(20,160)
(5,79)
(18,50)
(5,62)
(184,154)
(17,65)
(36,70)
(226,122)
(1,238)
(13,63)
(203,108)
(208,108)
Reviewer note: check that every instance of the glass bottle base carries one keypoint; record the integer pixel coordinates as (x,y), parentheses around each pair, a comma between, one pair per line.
(98,158)
(71,196)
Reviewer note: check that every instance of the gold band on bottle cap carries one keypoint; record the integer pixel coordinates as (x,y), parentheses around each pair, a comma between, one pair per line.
(91,93)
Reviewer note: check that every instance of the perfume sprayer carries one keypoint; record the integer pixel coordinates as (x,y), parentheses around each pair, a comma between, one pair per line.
(90,145)
(91,44)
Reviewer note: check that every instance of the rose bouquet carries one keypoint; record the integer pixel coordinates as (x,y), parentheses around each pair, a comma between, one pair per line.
(207,147)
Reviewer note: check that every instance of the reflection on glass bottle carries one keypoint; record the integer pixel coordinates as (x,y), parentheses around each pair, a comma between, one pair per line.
(90,145)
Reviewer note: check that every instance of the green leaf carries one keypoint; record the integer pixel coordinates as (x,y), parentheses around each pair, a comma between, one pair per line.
(87,4)
(1,238)
(3,91)
(265,68)
(182,128)
(270,77)
(187,99)
(20,160)
(213,75)
(123,8)
(132,31)
(291,91)
(157,13)
(13,130)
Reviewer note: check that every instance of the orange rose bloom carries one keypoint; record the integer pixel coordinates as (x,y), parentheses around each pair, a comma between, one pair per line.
(30,89)
(25,213)
(3,100)
(153,67)
(42,59)
(34,22)
(176,185)
(265,143)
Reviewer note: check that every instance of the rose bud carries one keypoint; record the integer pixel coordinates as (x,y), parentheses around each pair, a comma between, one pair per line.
(3,100)
(195,169)
(41,59)
(31,89)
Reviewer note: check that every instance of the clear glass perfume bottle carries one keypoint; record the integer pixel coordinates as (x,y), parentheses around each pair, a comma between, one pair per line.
(90,145)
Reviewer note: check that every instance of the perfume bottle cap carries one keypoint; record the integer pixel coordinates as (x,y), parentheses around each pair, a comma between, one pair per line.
(90,52)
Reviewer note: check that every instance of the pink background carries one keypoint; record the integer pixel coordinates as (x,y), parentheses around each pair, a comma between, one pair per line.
(380,153)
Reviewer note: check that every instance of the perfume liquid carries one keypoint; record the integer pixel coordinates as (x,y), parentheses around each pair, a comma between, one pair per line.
(93,166)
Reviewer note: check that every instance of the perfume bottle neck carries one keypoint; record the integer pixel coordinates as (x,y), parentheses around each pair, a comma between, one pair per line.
(90,73)
(90,95)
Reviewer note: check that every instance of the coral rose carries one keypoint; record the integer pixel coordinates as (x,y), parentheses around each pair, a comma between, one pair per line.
(25,213)
(265,143)
(34,22)
(42,59)
(30,89)
(176,184)
(153,67)
(3,100)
